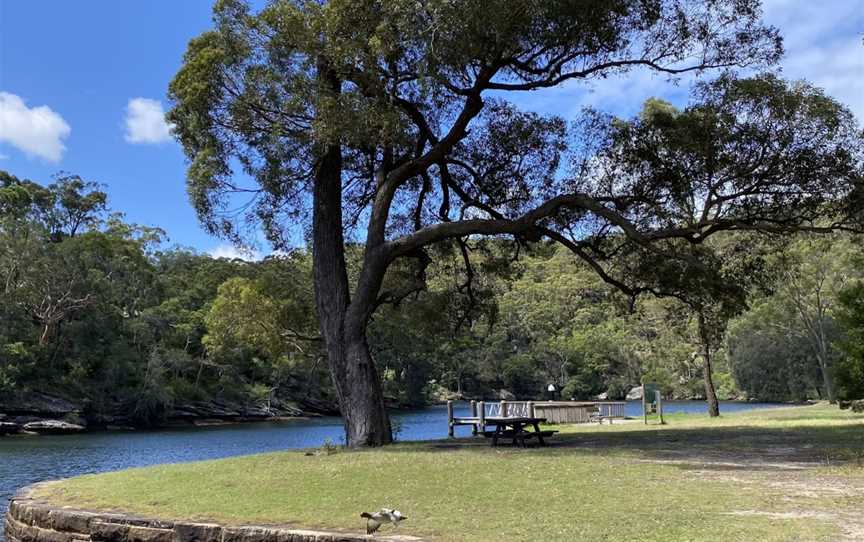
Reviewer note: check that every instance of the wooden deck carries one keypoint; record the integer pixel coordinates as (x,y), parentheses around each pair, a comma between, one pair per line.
(553,411)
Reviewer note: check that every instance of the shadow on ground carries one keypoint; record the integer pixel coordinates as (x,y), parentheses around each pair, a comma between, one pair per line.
(725,447)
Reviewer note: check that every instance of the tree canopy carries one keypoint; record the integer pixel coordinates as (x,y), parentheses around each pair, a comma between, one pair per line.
(388,120)
(158,330)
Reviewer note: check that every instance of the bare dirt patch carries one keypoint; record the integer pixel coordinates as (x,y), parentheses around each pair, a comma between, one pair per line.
(793,489)
(807,472)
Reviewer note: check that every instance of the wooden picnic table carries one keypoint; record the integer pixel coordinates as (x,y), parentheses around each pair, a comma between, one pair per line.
(514,428)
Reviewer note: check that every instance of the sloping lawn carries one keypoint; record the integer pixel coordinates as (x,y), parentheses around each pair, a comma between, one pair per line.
(780,474)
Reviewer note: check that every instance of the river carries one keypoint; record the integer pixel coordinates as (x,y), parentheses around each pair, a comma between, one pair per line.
(28,459)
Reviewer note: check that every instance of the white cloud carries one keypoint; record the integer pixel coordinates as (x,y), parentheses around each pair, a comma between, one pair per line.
(823,45)
(145,122)
(823,42)
(231,252)
(36,131)
(4,156)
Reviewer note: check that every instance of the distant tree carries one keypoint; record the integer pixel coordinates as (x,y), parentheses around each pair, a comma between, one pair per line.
(770,360)
(737,139)
(711,280)
(65,208)
(373,114)
(850,369)
(74,205)
(92,309)
(21,199)
(793,328)
(244,316)
(812,274)
(267,322)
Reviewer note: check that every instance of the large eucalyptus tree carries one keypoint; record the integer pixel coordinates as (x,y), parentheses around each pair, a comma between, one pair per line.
(388,121)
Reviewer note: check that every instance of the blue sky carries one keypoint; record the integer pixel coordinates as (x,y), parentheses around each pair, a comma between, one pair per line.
(83,84)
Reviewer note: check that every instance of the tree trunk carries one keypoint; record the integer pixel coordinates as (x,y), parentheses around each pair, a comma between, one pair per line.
(361,398)
(823,356)
(358,387)
(46,332)
(710,393)
(827,376)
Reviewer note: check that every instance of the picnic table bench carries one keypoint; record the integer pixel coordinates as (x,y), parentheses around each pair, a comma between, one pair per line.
(515,429)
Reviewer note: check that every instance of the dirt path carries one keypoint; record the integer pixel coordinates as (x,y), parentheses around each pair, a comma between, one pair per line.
(792,479)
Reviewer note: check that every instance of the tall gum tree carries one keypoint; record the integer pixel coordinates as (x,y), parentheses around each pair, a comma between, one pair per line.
(386,121)
(755,157)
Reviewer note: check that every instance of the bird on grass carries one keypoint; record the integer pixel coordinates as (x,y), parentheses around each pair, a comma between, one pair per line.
(375,520)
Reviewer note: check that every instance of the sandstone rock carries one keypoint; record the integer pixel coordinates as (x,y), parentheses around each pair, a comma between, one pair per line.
(210,422)
(149,534)
(197,532)
(248,534)
(506,395)
(256,412)
(30,520)
(119,428)
(53,427)
(634,394)
(39,404)
(74,521)
(8,428)
(857,406)
(75,419)
(24,408)
(109,532)
(286,408)
(603,396)
(22,420)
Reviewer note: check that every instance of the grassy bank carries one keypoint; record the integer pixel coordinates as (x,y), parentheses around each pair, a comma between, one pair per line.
(778,474)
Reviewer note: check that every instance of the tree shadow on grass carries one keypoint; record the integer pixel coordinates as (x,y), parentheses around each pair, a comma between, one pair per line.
(726,447)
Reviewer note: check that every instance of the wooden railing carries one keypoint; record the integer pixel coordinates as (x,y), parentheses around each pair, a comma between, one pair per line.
(579,412)
(559,411)
(553,411)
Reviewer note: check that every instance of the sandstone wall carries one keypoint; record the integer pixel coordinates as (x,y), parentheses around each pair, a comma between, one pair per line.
(32,520)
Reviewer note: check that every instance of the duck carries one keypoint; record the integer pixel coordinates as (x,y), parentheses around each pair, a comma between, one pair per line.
(375,520)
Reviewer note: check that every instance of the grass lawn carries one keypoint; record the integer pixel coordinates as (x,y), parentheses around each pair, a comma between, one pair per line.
(779,474)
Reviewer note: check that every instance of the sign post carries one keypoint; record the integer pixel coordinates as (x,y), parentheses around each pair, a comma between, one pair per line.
(644,406)
(652,401)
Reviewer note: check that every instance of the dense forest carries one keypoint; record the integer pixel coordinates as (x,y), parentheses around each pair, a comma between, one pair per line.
(98,311)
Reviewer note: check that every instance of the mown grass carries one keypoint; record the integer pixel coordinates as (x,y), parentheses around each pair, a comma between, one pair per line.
(761,475)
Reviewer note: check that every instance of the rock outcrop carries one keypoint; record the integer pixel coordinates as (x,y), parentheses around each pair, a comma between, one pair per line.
(216,411)
(44,413)
(39,412)
(29,407)
(506,395)
(53,427)
(8,428)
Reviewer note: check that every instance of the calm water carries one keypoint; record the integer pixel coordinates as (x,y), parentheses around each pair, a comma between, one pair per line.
(28,459)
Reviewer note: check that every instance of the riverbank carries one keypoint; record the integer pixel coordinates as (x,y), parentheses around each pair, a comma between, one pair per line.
(772,474)
(43,413)
(49,414)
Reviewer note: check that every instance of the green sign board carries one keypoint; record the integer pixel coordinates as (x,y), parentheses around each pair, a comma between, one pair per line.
(652,402)
(650,389)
